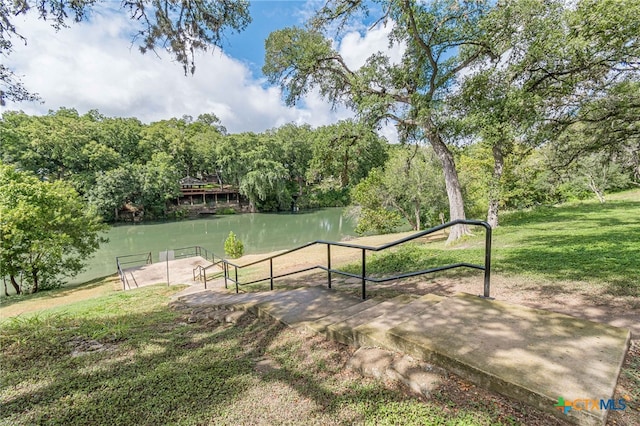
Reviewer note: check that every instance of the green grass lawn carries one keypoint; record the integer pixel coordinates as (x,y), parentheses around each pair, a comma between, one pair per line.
(588,241)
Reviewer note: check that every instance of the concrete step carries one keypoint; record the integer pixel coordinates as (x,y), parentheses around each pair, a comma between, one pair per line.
(532,355)
(320,325)
(374,332)
(226,300)
(342,331)
(304,305)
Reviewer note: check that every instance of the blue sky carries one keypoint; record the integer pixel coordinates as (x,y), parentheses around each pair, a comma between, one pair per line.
(93,65)
(267,16)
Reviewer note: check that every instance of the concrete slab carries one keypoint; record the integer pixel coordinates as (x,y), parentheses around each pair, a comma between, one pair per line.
(226,299)
(180,272)
(343,331)
(295,307)
(532,355)
(320,325)
(374,332)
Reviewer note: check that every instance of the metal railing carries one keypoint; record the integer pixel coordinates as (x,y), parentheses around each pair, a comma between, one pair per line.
(192,251)
(147,259)
(200,272)
(363,275)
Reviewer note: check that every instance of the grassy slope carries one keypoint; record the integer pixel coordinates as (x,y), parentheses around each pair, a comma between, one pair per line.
(589,242)
(145,364)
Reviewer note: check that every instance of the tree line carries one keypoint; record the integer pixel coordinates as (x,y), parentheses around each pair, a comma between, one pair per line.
(116,162)
(113,162)
(63,174)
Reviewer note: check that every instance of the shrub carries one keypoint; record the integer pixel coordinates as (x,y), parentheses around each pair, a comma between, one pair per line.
(226,210)
(233,247)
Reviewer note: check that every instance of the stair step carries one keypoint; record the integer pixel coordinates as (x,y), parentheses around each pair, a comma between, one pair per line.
(528,354)
(320,325)
(304,305)
(374,332)
(343,331)
(524,353)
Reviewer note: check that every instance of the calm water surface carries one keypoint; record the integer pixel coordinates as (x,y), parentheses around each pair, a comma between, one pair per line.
(260,233)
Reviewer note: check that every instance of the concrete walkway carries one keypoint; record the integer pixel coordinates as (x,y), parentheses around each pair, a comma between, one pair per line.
(178,271)
(531,355)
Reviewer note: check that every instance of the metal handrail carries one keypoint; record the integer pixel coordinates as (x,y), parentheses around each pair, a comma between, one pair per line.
(202,270)
(363,276)
(123,276)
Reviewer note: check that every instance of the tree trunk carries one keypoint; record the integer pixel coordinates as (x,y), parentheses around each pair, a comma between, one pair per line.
(596,190)
(15,284)
(417,213)
(494,185)
(344,176)
(34,276)
(4,280)
(452,184)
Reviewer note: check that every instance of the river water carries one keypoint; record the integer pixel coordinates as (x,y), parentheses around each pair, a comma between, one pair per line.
(259,232)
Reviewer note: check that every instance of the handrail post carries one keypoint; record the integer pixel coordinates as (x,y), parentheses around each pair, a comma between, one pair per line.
(205,280)
(225,270)
(271,273)
(487,262)
(364,271)
(237,289)
(329,265)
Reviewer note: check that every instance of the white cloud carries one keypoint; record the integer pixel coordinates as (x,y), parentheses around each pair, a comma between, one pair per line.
(355,47)
(94,66)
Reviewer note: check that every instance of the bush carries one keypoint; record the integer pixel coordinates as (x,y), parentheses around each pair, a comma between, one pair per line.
(226,210)
(233,247)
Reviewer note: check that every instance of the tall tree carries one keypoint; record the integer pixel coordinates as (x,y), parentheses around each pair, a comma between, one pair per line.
(559,61)
(265,181)
(441,39)
(182,27)
(47,230)
(346,151)
(296,142)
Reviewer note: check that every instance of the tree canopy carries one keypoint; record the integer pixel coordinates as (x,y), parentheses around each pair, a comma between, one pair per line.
(47,230)
(501,72)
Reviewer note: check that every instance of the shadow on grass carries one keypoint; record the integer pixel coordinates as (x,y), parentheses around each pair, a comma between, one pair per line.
(612,257)
(154,369)
(63,291)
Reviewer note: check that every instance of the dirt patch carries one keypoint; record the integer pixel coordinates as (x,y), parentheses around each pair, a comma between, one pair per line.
(82,346)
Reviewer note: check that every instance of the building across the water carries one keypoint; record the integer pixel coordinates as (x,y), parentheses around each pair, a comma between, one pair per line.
(207,196)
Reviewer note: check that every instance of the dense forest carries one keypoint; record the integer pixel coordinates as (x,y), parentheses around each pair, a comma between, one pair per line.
(113,162)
